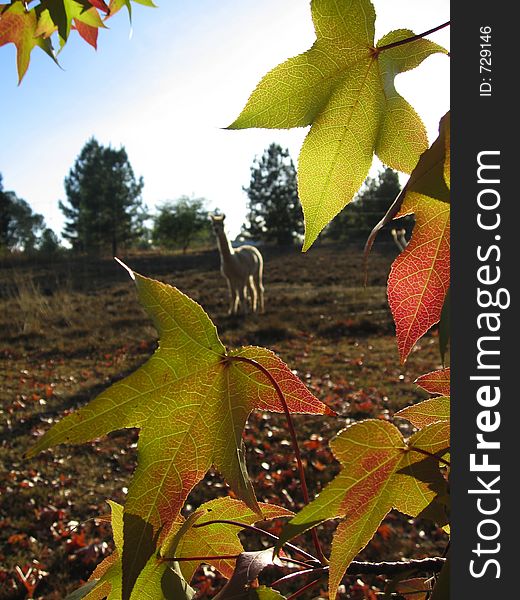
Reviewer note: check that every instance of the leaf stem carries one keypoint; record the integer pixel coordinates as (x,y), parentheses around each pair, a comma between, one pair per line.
(412,38)
(295,574)
(294,440)
(261,532)
(304,589)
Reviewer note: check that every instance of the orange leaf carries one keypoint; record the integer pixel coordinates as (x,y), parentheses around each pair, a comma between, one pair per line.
(18,27)
(420,276)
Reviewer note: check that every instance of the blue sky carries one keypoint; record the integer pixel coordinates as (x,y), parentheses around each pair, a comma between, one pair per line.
(166,92)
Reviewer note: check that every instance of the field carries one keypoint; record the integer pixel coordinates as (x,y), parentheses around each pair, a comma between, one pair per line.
(71,327)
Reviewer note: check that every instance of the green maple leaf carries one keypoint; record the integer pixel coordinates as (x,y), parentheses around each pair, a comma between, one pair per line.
(190,402)
(194,536)
(344,87)
(380,471)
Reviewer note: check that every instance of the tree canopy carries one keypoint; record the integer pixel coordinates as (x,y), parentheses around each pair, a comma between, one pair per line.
(104,208)
(180,223)
(274,213)
(368,207)
(20,227)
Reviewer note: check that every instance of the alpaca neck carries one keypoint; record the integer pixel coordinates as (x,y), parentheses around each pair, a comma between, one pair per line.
(224,247)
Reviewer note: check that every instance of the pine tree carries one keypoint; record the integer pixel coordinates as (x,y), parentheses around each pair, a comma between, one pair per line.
(274,209)
(368,207)
(104,207)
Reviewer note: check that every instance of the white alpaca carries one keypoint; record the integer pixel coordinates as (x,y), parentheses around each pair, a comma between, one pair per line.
(242,267)
(399,238)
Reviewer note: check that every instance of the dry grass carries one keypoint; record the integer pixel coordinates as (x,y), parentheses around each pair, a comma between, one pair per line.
(69,328)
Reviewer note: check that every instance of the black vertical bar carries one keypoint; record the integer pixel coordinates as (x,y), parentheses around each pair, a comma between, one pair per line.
(484,129)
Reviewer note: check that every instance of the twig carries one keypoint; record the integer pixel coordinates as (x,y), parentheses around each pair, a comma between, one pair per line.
(412,38)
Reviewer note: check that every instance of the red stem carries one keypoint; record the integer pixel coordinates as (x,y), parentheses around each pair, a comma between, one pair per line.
(303,589)
(261,532)
(294,441)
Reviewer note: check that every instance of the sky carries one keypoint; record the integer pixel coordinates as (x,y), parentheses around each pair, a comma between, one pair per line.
(165,88)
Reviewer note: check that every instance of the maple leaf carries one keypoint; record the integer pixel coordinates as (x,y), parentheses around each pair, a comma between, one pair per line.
(220,538)
(196,536)
(190,400)
(19,27)
(64,15)
(380,471)
(344,87)
(427,412)
(436,382)
(420,276)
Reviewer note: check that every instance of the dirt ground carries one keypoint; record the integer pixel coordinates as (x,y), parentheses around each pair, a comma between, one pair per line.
(70,327)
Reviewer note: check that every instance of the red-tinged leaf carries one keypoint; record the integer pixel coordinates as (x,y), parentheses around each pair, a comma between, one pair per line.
(100,5)
(420,275)
(190,401)
(18,27)
(436,382)
(427,412)
(220,539)
(380,471)
(88,33)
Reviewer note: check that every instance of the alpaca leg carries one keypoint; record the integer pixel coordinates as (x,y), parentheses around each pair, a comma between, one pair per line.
(252,293)
(259,287)
(233,300)
(242,299)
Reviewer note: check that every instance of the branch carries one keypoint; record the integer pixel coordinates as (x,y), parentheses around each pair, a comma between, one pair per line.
(294,441)
(423,565)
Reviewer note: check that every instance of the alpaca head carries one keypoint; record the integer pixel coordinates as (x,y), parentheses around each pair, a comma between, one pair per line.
(217,221)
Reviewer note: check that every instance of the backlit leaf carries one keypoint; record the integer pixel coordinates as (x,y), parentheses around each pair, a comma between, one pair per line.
(220,538)
(62,15)
(187,538)
(429,176)
(436,382)
(420,276)
(18,27)
(445,327)
(344,87)
(190,402)
(427,412)
(380,471)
